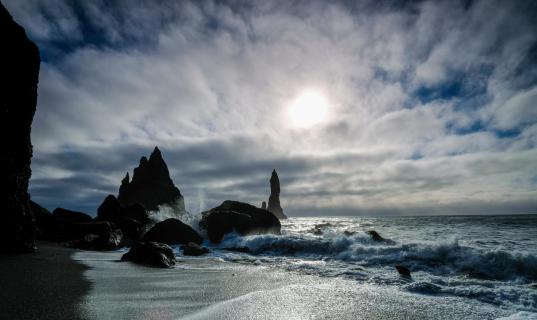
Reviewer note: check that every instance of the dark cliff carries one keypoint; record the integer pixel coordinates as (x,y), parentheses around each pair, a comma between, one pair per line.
(19,65)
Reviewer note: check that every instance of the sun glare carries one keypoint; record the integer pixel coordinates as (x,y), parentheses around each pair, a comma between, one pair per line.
(308,109)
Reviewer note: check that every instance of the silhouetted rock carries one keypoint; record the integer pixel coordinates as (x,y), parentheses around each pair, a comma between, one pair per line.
(349,233)
(19,73)
(264,205)
(64,217)
(240,217)
(45,225)
(151,253)
(172,231)
(193,249)
(274,199)
(151,185)
(403,271)
(375,236)
(96,235)
(132,220)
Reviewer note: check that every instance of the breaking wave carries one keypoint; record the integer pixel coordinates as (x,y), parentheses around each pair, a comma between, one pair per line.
(442,258)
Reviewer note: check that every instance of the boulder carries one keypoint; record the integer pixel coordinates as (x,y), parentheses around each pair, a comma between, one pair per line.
(172,231)
(274,199)
(375,236)
(193,249)
(19,65)
(96,235)
(64,217)
(151,185)
(403,271)
(151,253)
(132,219)
(234,216)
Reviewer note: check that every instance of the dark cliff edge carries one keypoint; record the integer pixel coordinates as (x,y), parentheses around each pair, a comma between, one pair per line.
(19,65)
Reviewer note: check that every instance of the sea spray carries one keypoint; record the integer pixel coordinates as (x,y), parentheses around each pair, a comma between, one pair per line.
(175,211)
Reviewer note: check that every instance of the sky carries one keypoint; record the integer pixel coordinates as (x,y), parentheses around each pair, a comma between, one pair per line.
(416,107)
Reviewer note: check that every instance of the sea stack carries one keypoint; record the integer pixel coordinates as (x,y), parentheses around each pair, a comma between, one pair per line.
(19,65)
(274,199)
(151,185)
(264,205)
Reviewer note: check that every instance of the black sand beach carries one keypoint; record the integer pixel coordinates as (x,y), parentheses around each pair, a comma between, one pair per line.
(44,285)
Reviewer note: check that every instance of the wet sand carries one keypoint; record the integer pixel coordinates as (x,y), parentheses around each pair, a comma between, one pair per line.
(44,285)
(208,288)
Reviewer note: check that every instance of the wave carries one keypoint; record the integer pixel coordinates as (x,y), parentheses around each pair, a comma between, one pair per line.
(442,258)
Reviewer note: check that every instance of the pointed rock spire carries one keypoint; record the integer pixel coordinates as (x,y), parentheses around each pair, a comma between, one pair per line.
(274,199)
(151,185)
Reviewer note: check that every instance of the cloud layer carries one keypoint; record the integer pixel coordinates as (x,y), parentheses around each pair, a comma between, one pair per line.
(433,103)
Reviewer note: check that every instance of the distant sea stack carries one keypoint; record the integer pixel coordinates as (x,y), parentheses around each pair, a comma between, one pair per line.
(19,74)
(151,185)
(274,199)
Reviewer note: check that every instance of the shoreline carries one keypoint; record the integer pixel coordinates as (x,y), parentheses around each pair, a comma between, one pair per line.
(210,288)
(49,284)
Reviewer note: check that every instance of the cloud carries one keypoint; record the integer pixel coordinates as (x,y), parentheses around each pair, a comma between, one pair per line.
(431,102)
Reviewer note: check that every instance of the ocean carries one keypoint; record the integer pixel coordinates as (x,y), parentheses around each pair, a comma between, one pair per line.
(463,267)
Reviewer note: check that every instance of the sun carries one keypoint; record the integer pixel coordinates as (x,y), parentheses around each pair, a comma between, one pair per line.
(309,108)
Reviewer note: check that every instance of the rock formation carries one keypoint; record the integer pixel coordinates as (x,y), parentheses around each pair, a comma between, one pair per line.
(64,217)
(193,249)
(95,235)
(403,271)
(274,199)
(151,253)
(264,205)
(172,231)
(133,220)
(19,65)
(45,225)
(234,216)
(151,185)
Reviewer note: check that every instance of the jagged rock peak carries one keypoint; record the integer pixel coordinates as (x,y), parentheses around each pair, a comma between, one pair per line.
(19,65)
(274,199)
(151,185)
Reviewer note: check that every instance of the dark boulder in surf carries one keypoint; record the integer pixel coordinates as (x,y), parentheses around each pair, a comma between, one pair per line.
(403,271)
(375,236)
(151,253)
(151,185)
(240,217)
(193,249)
(172,231)
(19,65)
